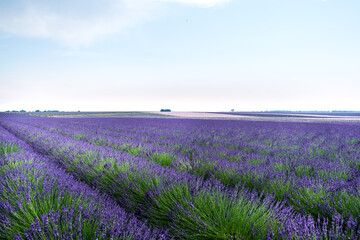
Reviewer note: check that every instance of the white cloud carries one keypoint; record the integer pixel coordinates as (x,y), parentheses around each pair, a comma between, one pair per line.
(80,22)
(204,3)
(5,36)
(74,22)
(75,53)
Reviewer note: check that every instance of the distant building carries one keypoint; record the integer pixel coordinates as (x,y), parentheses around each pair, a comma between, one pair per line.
(165,110)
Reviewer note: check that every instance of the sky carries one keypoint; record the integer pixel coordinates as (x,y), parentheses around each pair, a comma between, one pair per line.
(186,55)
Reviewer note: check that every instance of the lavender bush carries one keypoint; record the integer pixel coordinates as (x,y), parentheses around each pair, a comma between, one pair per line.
(205,179)
(38,200)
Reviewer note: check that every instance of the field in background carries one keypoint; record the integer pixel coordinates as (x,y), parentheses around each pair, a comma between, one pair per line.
(256,116)
(96,114)
(181,178)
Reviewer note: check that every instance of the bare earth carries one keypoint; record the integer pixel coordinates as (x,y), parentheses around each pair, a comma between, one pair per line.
(301,118)
(201,115)
(198,115)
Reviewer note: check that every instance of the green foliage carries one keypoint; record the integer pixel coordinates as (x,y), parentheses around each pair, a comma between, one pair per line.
(221,155)
(33,202)
(80,136)
(247,150)
(203,169)
(138,150)
(97,141)
(189,152)
(163,158)
(175,146)
(302,171)
(202,216)
(122,147)
(256,161)
(135,150)
(205,215)
(264,152)
(234,158)
(213,215)
(7,148)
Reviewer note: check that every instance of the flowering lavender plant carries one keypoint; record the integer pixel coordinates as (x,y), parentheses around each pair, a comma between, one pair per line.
(206,179)
(38,200)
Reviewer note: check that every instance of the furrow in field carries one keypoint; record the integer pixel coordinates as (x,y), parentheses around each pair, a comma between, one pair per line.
(188,206)
(39,200)
(312,184)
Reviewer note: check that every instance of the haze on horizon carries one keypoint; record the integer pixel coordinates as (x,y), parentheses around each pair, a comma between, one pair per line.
(186,55)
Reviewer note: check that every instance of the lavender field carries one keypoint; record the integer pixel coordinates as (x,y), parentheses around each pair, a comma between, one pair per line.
(160,178)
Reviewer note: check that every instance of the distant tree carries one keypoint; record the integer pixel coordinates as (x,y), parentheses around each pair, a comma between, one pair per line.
(37,110)
(232,110)
(15,111)
(22,111)
(165,110)
(7,110)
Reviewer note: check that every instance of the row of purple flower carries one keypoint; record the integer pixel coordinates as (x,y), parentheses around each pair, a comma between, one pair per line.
(311,164)
(298,166)
(39,200)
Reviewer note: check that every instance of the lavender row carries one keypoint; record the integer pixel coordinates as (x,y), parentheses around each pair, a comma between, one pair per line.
(188,206)
(256,144)
(313,184)
(38,200)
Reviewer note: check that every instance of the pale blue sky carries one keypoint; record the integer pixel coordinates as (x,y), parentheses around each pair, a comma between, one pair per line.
(187,55)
